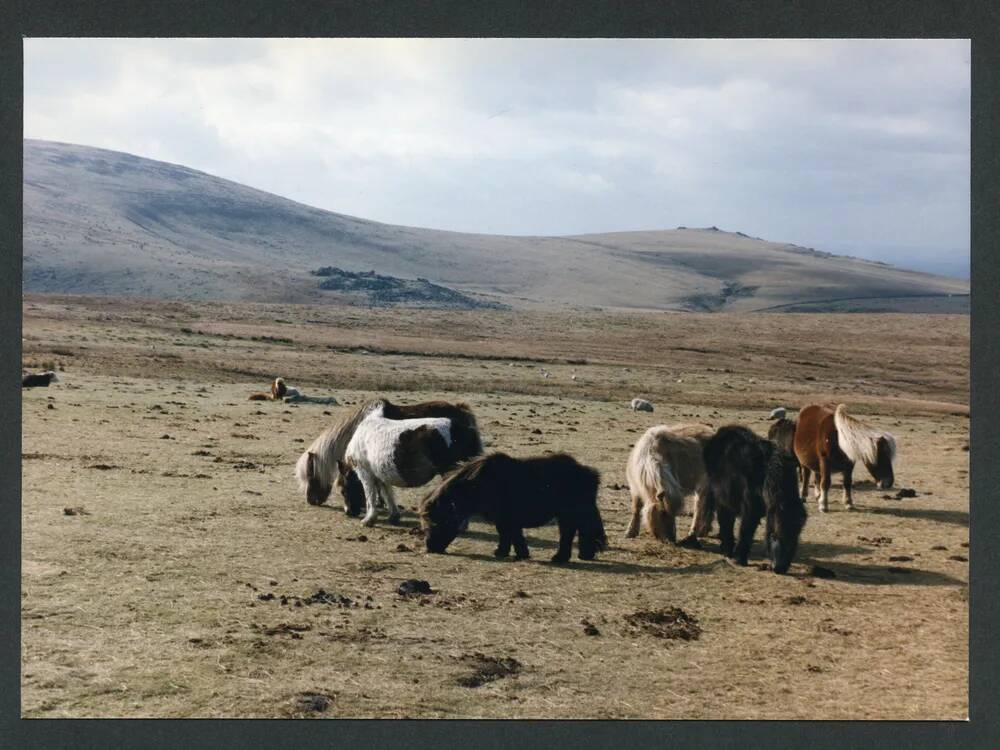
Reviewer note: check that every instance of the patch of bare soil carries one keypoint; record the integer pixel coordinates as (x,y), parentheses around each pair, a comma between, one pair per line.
(487,669)
(672,623)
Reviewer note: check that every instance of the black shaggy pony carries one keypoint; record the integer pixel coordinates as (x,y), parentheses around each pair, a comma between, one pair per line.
(751,477)
(514,494)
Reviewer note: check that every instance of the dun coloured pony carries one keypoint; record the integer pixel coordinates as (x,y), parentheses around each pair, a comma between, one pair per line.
(664,467)
(750,477)
(318,466)
(830,441)
(40,380)
(514,494)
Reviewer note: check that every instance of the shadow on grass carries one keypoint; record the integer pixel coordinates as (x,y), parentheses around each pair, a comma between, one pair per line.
(881,575)
(957,517)
(595,566)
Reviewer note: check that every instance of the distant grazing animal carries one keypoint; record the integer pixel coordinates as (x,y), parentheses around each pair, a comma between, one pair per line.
(317,467)
(830,441)
(640,404)
(514,494)
(386,453)
(778,413)
(750,477)
(664,467)
(40,380)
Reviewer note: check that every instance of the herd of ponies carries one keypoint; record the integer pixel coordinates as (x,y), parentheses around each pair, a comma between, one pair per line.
(732,472)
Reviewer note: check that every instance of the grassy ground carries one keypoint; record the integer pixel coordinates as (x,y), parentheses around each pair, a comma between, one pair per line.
(148,601)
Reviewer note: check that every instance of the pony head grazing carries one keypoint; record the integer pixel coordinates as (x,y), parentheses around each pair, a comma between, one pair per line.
(786,513)
(350,488)
(316,469)
(445,508)
(312,479)
(876,449)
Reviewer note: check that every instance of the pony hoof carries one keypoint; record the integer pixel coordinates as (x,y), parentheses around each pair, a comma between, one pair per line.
(689,542)
(369,522)
(588,556)
(499,554)
(392,519)
(560,559)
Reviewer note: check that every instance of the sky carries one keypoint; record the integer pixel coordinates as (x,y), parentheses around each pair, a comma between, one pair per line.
(849,146)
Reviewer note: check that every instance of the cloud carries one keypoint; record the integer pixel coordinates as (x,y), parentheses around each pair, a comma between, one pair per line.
(830,143)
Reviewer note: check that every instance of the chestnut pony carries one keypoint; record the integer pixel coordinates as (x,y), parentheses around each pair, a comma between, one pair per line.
(830,441)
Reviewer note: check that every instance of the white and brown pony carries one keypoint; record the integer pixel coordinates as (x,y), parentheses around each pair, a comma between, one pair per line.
(830,441)
(319,467)
(386,453)
(664,467)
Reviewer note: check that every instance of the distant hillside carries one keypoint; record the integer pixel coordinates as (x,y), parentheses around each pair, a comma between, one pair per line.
(104,222)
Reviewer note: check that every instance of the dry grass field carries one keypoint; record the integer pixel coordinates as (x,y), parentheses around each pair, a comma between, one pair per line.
(171,568)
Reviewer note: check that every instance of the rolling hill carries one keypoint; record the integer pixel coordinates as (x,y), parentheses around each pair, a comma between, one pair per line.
(105,222)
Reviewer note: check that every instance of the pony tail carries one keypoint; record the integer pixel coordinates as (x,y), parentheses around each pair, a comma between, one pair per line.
(857,440)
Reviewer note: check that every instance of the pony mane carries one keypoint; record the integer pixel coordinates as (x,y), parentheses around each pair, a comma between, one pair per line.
(858,440)
(329,447)
(466,472)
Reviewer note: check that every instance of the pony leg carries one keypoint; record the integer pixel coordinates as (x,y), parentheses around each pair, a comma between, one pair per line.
(567,530)
(805,473)
(726,521)
(848,484)
(520,545)
(371,496)
(390,503)
(503,546)
(823,480)
(633,525)
(748,527)
(701,521)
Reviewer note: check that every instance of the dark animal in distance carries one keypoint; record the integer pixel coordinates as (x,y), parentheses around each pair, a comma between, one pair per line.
(39,380)
(830,441)
(750,477)
(514,494)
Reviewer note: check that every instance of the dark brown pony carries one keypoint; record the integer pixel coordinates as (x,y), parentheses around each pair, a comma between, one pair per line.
(514,494)
(753,479)
(830,441)
(782,432)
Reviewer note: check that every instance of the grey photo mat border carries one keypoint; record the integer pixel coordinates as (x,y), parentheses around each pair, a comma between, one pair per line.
(973,20)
